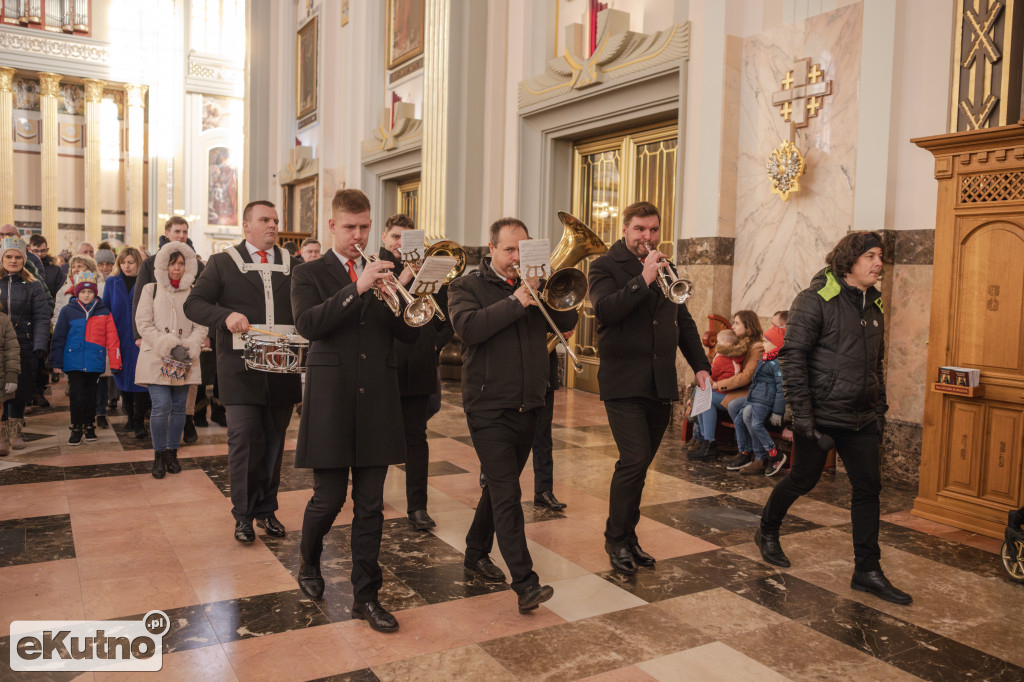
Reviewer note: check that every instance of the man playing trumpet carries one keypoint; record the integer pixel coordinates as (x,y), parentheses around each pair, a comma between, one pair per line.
(504,379)
(638,332)
(350,401)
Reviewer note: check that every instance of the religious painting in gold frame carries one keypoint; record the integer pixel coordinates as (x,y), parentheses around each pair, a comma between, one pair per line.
(304,208)
(305,69)
(406,28)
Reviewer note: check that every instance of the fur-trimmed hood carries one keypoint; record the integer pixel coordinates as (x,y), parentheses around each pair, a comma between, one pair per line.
(737,350)
(163,257)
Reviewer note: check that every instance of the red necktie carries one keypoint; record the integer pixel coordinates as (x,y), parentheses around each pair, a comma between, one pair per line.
(351,265)
(263,256)
(511,282)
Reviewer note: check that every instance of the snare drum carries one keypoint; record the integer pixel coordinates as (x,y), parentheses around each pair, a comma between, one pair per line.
(277,354)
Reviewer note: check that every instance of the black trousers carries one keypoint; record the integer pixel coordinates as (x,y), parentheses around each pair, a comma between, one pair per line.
(638,425)
(329,487)
(82,387)
(859,450)
(502,439)
(543,464)
(255,444)
(135,404)
(417,451)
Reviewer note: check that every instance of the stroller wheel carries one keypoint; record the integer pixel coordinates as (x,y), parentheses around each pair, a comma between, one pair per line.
(1013,559)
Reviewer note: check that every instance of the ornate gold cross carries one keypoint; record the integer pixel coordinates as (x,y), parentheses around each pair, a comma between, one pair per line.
(803,90)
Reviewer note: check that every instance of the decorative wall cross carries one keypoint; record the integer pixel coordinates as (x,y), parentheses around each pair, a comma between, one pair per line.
(803,92)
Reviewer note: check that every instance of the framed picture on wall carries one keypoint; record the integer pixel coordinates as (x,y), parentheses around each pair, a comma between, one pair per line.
(305,69)
(304,206)
(406,24)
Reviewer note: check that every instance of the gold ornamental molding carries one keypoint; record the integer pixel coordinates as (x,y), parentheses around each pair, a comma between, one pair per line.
(619,53)
(94,90)
(6,79)
(988,54)
(301,165)
(785,165)
(395,133)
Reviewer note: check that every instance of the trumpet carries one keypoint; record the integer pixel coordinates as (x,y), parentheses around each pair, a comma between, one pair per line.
(565,290)
(446,247)
(675,288)
(418,311)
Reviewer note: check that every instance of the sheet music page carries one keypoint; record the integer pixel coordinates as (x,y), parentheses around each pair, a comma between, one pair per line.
(431,275)
(701,401)
(413,245)
(535,258)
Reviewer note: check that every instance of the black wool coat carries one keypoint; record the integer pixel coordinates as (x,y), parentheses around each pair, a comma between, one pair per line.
(351,411)
(223,289)
(638,331)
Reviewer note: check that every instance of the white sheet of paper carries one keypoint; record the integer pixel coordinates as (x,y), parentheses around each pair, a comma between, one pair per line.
(413,245)
(701,401)
(431,275)
(535,258)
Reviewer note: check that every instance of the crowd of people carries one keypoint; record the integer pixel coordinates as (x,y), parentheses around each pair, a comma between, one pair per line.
(166,326)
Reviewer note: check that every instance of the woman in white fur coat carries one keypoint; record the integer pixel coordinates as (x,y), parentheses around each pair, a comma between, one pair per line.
(166,332)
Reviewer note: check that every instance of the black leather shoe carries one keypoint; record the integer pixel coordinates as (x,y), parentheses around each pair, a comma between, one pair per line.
(483,481)
(548,499)
(271,525)
(244,531)
(641,557)
(877,584)
(771,548)
(310,581)
(621,558)
(101,422)
(199,419)
(189,435)
(171,460)
(159,466)
(375,615)
(486,569)
(421,520)
(534,596)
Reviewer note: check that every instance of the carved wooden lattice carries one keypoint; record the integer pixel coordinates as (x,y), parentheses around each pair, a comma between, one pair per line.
(992,187)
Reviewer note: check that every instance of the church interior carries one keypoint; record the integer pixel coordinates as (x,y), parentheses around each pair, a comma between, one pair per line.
(764,130)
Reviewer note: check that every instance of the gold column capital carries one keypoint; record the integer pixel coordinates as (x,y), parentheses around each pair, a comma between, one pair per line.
(6,79)
(48,83)
(135,95)
(94,90)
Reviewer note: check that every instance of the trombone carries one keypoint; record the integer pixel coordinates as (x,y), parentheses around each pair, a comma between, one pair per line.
(418,311)
(445,247)
(565,290)
(675,288)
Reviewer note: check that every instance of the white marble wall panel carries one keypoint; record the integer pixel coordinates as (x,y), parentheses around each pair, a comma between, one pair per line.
(780,245)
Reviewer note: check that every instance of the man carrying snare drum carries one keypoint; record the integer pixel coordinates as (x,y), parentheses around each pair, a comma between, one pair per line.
(250,285)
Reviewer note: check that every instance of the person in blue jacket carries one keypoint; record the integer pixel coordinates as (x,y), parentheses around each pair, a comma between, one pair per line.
(118,293)
(84,335)
(764,398)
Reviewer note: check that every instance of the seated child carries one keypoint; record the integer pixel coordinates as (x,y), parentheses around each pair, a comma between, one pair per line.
(730,353)
(749,413)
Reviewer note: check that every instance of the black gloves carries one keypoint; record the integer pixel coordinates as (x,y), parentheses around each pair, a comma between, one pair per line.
(803,426)
(40,354)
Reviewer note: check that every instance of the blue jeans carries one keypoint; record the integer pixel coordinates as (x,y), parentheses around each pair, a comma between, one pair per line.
(750,429)
(101,396)
(167,419)
(707,419)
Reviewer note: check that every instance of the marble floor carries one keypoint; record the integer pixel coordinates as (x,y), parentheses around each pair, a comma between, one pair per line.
(87,533)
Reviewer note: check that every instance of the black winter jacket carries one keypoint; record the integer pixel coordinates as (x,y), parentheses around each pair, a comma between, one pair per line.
(832,359)
(504,354)
(25,303)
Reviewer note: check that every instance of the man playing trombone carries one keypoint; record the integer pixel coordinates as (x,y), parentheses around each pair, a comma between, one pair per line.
(504,379)
(639,329)
(350,402)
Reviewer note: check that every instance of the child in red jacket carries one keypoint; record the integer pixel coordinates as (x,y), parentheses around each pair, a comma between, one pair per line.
(84,335)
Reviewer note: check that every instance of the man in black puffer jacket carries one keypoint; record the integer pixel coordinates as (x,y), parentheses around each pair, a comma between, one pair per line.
(504,380)
(832,377)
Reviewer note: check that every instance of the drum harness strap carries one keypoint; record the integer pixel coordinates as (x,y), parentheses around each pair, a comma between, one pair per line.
(265,270)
